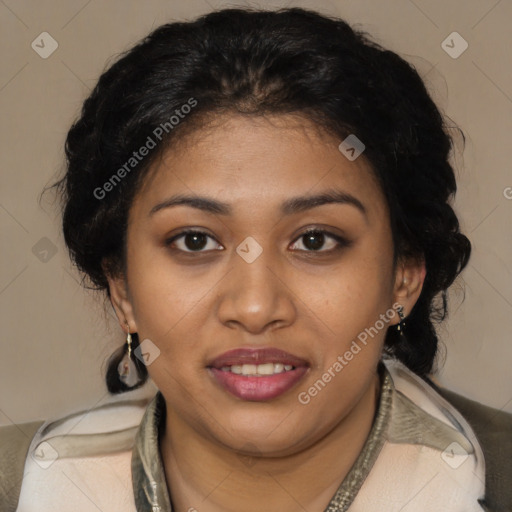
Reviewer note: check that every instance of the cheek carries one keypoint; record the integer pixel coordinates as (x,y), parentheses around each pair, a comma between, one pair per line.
(356,293)
(349,306)
(163,298)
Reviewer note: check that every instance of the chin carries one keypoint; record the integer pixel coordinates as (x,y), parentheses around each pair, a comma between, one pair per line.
(274,433)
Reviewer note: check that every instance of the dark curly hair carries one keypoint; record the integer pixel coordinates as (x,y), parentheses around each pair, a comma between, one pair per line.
(256,62)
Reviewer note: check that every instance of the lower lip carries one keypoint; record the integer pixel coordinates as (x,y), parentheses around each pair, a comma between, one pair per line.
(258,389)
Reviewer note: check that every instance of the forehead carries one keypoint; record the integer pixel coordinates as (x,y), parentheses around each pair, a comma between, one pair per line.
(258,161)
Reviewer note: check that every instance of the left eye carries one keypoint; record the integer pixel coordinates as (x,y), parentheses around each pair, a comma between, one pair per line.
(314,239)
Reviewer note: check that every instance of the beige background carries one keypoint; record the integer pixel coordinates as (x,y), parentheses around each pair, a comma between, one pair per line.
(56,337)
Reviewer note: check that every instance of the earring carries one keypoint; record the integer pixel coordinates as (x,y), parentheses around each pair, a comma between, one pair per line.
(401,324)
(127,369)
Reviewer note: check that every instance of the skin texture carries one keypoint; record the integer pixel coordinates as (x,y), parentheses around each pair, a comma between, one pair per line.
(222,453)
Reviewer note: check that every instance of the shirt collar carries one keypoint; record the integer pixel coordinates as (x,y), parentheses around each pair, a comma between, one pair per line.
(148,475)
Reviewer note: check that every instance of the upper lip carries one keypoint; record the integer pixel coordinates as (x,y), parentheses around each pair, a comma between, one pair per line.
(242,356)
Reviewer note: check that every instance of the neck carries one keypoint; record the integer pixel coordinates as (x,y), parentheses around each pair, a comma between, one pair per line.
(203,476)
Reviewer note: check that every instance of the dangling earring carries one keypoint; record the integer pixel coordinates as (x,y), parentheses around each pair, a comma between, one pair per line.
(127,369)
(401,324)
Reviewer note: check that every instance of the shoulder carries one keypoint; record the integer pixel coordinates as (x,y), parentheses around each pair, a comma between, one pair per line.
(487,430)
(14,444)
(493,429)
(493,421)
(34,455)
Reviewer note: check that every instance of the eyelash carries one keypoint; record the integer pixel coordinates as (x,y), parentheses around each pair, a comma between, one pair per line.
(342,242)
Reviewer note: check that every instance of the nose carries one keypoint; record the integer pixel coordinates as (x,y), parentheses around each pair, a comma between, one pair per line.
(255,297)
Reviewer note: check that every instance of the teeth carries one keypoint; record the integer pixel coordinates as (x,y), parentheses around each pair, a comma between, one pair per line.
(258,369)
(265,369)
(249,369)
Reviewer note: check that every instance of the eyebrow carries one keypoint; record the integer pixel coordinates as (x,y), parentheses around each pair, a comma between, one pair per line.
(289,207)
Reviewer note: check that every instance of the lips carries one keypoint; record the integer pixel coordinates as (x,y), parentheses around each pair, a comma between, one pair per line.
(239,372)
(243,356)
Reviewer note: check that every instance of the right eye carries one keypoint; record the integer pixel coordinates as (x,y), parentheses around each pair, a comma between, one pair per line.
(190,241)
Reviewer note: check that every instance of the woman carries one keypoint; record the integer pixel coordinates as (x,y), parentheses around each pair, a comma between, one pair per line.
(264,197)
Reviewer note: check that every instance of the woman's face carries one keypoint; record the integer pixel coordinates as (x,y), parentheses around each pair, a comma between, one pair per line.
(252,282)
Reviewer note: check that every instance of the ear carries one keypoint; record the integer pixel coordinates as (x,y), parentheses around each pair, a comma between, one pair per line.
(409,279)
(120,299)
